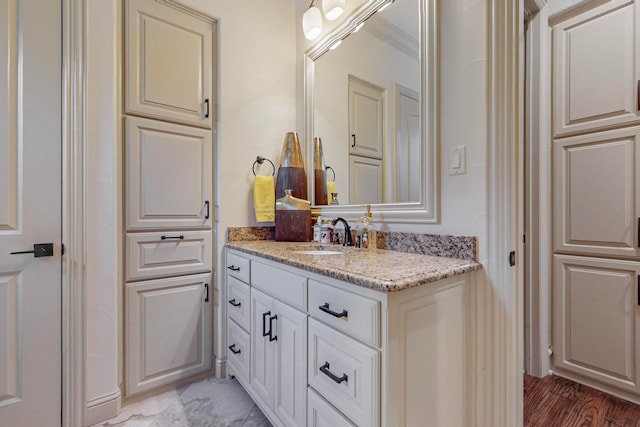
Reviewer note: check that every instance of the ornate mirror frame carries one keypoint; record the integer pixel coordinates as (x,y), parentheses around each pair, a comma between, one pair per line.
(427,209)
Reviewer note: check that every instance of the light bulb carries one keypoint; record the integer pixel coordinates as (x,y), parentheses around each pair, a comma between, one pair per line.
(312,23)
(333,9)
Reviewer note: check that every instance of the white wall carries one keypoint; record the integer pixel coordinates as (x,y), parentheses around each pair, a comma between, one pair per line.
(463,113)
(256,100)
(103,210)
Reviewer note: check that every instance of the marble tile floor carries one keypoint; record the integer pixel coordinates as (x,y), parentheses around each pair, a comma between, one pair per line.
(211,402)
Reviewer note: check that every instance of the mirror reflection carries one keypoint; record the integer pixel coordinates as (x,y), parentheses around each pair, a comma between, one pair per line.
(366,111)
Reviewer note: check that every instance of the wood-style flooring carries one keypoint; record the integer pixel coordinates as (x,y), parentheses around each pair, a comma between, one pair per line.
(556,402)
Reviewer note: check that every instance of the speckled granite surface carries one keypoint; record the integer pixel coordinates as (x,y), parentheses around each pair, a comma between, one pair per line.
(464,247)
(250,233)
(384,270)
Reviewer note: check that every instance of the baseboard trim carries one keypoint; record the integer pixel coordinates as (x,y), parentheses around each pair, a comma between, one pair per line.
(103,408)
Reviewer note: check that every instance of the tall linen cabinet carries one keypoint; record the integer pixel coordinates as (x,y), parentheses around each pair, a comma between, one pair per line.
(168,181)
(596,179)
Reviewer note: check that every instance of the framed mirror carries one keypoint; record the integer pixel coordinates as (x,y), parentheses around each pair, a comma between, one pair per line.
(371,97)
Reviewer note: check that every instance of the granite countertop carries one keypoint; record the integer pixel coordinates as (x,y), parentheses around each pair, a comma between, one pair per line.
(379,269)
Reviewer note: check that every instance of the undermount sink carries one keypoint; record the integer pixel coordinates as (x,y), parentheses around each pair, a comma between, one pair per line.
(318,252)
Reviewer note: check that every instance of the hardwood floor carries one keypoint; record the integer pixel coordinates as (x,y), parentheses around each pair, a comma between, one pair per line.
(557,402)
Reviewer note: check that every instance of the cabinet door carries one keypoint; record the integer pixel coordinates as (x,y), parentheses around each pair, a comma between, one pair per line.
(290,394)
(366,118)
(597,321)
(168,69)
(168,333)
(595,69)
(262,350)
(168,175)
(365,180)
(596,188)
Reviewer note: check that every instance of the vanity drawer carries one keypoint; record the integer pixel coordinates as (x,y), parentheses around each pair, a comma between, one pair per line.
(238,351)
(345,372)
(321,414)
(238,303)
(154,255)
(238,267)
(280,284)
(354,314)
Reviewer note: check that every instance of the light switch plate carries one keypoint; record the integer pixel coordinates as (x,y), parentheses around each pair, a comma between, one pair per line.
(458,160)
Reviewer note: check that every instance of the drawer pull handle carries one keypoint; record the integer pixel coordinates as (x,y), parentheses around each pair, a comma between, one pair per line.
(233,268)
(180,237)
(232,347)
(325,370)
(271,319)
(325,307)
(264,324)
(235,303)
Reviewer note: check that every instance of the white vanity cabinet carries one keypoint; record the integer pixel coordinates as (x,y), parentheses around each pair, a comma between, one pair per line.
(357,356)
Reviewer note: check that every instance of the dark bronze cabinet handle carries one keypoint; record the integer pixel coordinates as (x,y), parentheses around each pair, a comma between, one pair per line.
(180,237)
(234,303)
(233,268)
(206,206)
(325,307)
(353,135)
(232,347)
(271,336)
(325,370)
(206,111)
(264,323)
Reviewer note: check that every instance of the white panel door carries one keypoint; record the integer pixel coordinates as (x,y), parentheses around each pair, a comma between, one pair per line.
(595,73)
(168,332)
(408,146)
(168,64)
(366,118)
(168,175)
(290,393)
(596,187)
(596,321)
(30,212)
(365,180)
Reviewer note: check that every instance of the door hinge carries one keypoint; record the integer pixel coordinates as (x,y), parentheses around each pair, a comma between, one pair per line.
(62,248)
(512,258)
(524,239)
(550,351)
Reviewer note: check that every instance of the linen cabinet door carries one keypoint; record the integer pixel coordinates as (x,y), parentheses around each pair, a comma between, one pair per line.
(596,193)
(168,334)
(597,323)
(262,350)
(595,69)
(168,64)
(168,174)
(290,394)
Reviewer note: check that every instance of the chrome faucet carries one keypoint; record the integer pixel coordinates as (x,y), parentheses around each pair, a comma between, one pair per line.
(348,241)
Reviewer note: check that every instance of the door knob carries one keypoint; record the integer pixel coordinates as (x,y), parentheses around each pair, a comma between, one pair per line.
(39,250)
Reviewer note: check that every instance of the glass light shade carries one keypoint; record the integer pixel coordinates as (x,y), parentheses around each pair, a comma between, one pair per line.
(333,9)
(312,23)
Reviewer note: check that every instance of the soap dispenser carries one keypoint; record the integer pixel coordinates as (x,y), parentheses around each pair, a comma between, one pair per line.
(373,234)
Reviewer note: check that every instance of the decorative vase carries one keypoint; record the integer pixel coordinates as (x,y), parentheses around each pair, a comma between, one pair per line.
(319,173)
(291,172)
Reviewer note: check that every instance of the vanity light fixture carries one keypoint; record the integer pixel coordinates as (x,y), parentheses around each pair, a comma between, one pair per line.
(312,22)
(333,9)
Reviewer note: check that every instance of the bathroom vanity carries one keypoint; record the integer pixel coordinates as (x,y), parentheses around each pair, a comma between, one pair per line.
(324,335)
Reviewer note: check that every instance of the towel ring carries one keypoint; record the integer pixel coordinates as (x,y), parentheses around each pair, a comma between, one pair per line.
(260,160)
(334,172)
